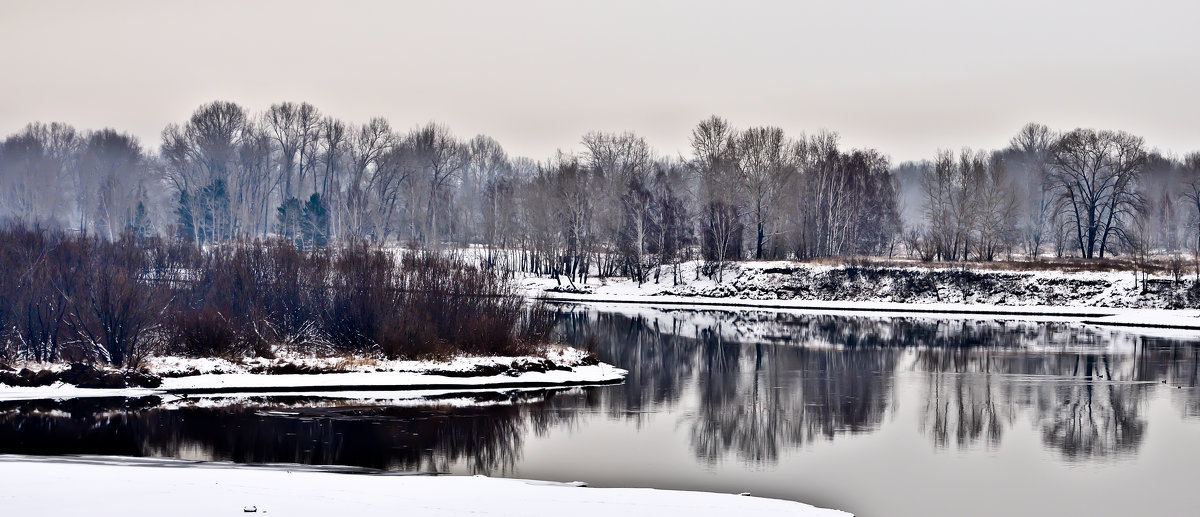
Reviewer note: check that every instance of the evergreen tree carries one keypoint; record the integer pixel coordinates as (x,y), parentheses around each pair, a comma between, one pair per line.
(185,223)
(140,224)
(314,222)
(289,217)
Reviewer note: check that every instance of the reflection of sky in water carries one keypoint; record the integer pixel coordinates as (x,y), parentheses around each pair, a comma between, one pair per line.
(873,415)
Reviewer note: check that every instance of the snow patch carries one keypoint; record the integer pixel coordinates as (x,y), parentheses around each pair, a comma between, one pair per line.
(561,366)
(33,487)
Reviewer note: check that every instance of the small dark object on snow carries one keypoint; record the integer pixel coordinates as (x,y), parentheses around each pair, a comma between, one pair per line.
(83,375)
(43,378)
(143,379)
(250,509)
(113,380)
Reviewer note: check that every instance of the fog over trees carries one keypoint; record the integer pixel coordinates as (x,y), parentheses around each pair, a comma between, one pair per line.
(616,207)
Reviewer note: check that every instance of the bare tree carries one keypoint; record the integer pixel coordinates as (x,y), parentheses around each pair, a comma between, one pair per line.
(367,145)
(1138,238)
(122,177)
(1191,178)
(295,128)
(441,159)
(35,166)
(332,144)
(714,161)
(951,184)
(674,233)
(572,194)
(765,164)
(1033,145)
(253,181)
(392,192)
(622,164)
(199,158)
(847,202)
(488,164)
(997,210)
(1095,173)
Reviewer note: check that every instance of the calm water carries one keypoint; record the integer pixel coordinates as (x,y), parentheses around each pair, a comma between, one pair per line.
(877,416)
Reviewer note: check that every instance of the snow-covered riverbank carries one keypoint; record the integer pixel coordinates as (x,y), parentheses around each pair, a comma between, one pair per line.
(183,376)
(1097,297)
(184,489)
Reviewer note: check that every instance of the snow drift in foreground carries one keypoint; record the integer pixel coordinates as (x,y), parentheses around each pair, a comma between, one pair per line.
(35,487)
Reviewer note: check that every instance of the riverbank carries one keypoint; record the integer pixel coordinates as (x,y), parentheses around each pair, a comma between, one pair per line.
(1111,298)
(186,488)
(558,366)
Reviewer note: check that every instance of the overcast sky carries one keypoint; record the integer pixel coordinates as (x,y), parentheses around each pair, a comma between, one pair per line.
(905,77)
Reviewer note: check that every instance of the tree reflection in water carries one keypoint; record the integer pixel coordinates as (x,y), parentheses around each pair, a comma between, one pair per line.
(1086,405)
(766,381)
(788,397)
(486,439)
(756,395)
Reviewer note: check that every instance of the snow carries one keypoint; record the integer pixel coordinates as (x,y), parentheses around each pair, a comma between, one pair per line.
(754,325)
(1095,297)
(333,384)
(379,377)
(61,391)
(595,374)
(337,399)
(1171,320)
(182,366)
(187,489)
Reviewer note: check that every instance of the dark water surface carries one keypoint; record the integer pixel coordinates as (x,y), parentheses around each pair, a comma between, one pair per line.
(878,416)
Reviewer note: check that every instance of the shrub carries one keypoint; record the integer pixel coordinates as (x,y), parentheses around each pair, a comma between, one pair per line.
(114,301)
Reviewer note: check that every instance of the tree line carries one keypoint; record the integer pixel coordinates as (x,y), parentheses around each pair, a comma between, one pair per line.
(1086,193)
(616,207)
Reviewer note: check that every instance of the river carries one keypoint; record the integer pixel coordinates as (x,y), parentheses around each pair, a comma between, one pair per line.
(895,416)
